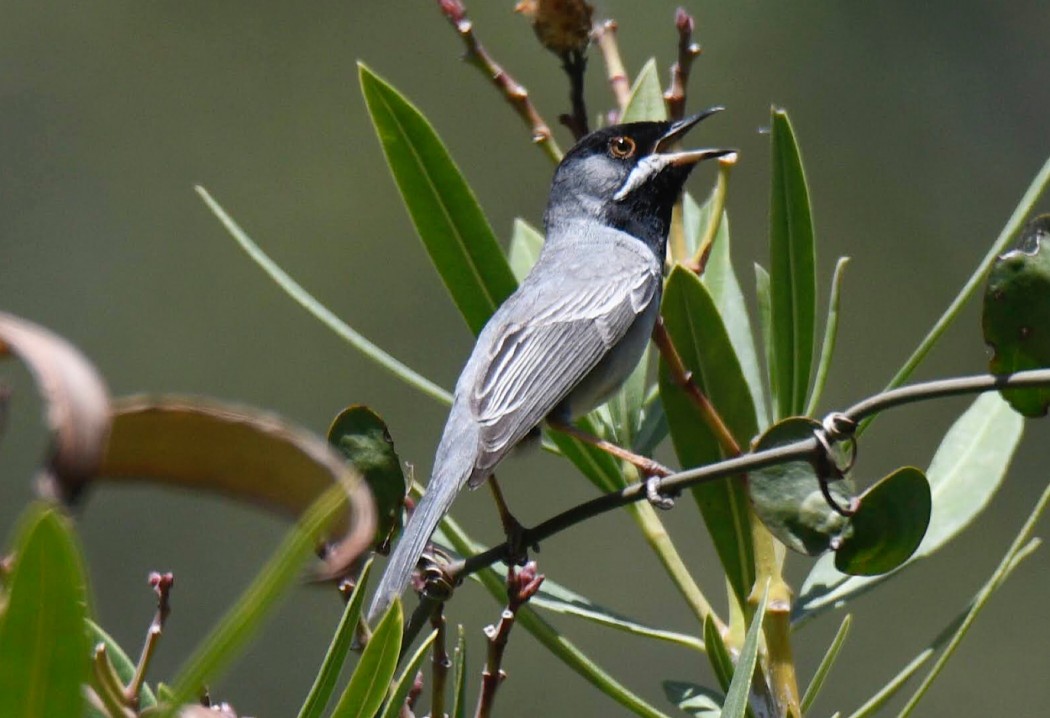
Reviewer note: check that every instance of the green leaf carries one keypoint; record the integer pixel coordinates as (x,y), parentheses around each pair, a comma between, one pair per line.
(722,282)
(654,427)
(1016,313)
(695,700)
(459,676)
(363,438)
(826,663)
(368,685)
(646,101)
(599,466)
(735,705)
(765,323)
(257,601)
(399,692)
(788,499)
(888,525)
(322,313)
(443,208)
(560,599)
(123,665)
(324,684)
(827,347)
(44,652)
(525,245)
(718,654)
(965,473)
(697,331)
(793,284)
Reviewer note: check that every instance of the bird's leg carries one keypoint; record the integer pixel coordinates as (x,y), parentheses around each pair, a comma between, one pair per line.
(651,470)
(517,553)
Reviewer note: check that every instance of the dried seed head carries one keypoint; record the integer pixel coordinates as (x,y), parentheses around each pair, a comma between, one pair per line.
(562,26)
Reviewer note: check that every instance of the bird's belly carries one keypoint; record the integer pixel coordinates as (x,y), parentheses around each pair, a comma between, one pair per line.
(613,369)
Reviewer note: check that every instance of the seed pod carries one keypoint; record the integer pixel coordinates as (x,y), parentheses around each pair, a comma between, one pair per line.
(562,26)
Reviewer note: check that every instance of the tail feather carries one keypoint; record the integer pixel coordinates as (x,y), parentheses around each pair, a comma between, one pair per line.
(453,465)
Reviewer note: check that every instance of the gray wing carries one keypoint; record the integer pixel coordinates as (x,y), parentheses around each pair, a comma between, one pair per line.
(575,307)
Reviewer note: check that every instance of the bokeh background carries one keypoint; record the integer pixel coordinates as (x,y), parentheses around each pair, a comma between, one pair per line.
(920,124)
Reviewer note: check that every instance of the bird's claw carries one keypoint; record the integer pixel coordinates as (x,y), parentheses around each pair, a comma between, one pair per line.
(654,497)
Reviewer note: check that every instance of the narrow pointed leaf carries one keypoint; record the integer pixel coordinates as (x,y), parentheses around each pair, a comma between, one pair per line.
(965,473)
(826,663)
(368,685)
(831,327)
(793,287)
(697,331)
(718,654)
(765,323)
(525,245)
(459,676)
(44,653)
(646,101)
(399,692)
(735,705)
(443,208)
(557,598)
(257,601)
(723,284)
(324,684)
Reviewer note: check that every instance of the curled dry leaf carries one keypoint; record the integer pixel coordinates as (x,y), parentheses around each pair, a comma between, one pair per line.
(240,452)
(77,404)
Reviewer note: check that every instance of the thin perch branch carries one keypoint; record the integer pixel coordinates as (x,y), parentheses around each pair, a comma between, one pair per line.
(619,82)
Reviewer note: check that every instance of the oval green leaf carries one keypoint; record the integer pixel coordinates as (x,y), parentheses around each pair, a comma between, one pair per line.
(368,685)
(788,499)
(44,652)
(792,274)
(444,210)
(1016,318)
(888,526)
(360,435)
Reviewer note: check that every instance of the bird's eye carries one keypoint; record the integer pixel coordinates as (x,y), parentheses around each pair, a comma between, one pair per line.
(621,147)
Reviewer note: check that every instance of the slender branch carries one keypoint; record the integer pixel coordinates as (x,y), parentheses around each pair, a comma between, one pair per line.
(513,92)
(619,82)
(574,62)
(107,685)
(698,263)
(687,52)
(521,586)
(805,450)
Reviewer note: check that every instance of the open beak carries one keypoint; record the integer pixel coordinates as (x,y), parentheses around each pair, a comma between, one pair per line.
(660,159)
(677,131)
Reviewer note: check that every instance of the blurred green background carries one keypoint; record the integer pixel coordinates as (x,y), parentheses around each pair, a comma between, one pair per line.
(920,124)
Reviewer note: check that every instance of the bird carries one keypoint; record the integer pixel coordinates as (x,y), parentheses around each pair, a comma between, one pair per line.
(578,323)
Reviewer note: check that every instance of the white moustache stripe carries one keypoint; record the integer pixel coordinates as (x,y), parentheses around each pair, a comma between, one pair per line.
(647,168)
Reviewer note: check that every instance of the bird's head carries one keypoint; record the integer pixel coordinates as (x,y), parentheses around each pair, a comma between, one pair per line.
(627,177)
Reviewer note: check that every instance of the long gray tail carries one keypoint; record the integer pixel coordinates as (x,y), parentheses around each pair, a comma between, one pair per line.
(452,467)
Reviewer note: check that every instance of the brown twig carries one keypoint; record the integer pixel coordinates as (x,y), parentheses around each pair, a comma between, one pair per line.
(440,663)
(647,466)
(407,710)
(574,62)
(684,379)
(605,37)
(687,53)
(521,586)
(513,92)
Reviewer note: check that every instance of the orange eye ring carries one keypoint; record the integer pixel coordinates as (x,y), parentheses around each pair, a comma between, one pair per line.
(622,147)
